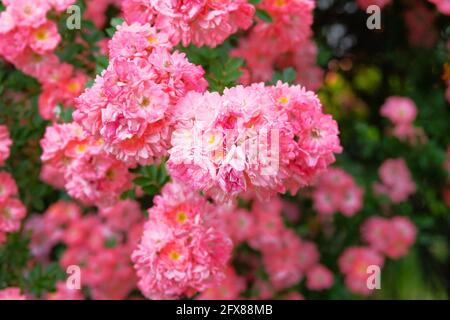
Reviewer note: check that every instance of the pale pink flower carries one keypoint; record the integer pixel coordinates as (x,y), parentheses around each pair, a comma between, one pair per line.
(319,278)
(400,110)
(122,215)
(396,181)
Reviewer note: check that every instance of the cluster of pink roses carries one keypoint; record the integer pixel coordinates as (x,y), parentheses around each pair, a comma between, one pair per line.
(12,211)
(197,22)
(149,103)
(284,255)
(29,40)
(386,237)
(336,191)
(130,105)
(180,253)
(78,162)
(100,245)
(255,139)
(391,237)
(283,42)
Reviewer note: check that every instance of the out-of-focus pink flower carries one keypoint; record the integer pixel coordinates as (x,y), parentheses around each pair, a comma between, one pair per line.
(5,144)
(8,186)
(354,264)
(12,211)
(336,191)
(420,24)
(442,5)
(64,293)
(400,110)
(396,181)
(392,237)
(319,278)
(230,288)
(11,294)
(284,42)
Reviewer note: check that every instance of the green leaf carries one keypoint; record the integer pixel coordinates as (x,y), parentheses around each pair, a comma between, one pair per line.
(264,15)
(289,75)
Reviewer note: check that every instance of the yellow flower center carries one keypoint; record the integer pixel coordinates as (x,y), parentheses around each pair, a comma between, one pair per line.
(181,217)
(145,102)
(212,139)
(283,100)
(81,148)
(152,39)
(109,174)
(40,34)
(73,87)
(280,3)
(175,256)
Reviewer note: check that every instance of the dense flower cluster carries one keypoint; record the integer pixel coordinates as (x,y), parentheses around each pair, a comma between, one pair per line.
(336,191)
(179,253)
(99,244)
(130,105)
(90,174)
(354,264)
(197,22)
(29,40)
(284,42)
(230,145)
(396,182)
(391,237)
(218,173)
